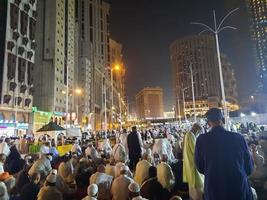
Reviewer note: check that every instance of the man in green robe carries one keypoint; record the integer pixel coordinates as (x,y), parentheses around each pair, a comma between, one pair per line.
(191,175)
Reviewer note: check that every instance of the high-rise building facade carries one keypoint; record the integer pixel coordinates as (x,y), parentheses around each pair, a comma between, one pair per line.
(198,52)
(54,71)
(17,52)
(149,103)
(230,84)
(118,74)
(258,21)
(93,21)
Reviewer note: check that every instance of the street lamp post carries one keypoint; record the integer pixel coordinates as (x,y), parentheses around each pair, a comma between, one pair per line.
(183,89)
(193,91)
(120,111)
(117,68)
(179,110)
(217,29)
(111,79)
(105,106)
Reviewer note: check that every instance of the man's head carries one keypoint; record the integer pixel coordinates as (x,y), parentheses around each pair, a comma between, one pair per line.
(2,158)
(134,190)
(92,190)
(214,117)
(196,128)
(134,129)
(35,177)
(101,168)
(51,180)
(164,158)
(124,169)
(152,172)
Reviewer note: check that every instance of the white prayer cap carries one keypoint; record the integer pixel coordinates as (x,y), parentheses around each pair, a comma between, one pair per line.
(92,190)
(51,178)
(176,198)
(134,187)
(54,172)
(124,168)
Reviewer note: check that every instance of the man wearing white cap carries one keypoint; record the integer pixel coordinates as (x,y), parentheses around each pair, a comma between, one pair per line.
(42,165)
(92,192)
(134,192)
(49,191)
(118,167)
(103,182)
(120,184)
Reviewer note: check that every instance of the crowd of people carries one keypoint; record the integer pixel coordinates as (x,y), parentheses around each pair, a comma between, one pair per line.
(157,163)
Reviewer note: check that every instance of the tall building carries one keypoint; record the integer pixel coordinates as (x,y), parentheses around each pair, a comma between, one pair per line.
(230,84)
(198,52)
(17,52)
(54,71)
(258,20)
(118,74)
(149,103)
(93,21)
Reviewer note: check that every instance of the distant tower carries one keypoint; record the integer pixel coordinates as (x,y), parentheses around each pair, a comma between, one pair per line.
(201,53)
(258,21)
(54,71)
(93,59)
(149,103)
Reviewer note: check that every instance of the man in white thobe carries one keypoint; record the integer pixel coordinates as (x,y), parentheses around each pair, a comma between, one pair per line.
(92,152)
(163,147)
(119,189)
(103,181)
(42,165)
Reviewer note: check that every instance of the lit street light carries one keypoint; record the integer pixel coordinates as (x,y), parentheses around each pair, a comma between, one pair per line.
(253,114)
(217,29)
(117,67)
(242,115)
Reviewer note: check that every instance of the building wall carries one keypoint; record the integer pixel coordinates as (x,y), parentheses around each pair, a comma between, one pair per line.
(258,25)
(201,53)
(17,36)
(55,52)
(93,22)
(149,103)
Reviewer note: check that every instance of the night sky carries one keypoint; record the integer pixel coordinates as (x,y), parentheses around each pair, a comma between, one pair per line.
(146,28)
